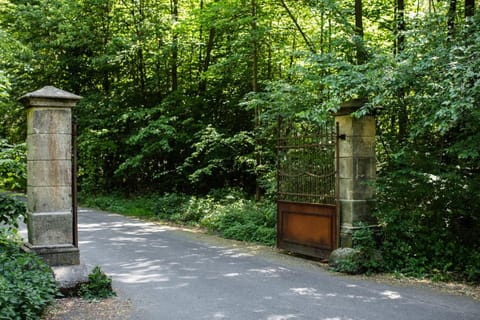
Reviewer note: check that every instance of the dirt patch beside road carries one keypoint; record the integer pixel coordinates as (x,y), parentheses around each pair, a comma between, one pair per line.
(80,309)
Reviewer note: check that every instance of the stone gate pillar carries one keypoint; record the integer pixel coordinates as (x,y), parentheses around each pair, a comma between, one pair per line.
(357,169)
(49,173)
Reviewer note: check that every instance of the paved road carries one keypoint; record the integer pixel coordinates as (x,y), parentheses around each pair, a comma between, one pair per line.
(172,274)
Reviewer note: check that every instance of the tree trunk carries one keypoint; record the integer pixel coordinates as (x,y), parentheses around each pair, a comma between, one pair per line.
(399,47)
(258,159)
(469,8)
(400,26)
(174,65)
(451,18)
(105,26)
(361,56)
(304,36)
(202,87)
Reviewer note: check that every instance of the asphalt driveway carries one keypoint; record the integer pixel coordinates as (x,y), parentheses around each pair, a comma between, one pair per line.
(169,273)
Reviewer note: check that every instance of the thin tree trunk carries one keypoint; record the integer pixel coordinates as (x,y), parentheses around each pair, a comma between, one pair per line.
(292,59)
(399,47)
(451,18)
(106,38)
(200,51)
(400,26)
(359,31)
(208,57)
(322,31)
(304,36)
(174,65)
(258,158)
(469,8)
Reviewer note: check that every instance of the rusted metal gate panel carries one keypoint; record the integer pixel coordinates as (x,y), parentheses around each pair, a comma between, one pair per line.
(307,195)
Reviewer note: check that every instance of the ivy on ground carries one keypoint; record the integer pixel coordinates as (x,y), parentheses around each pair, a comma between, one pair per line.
(26,282)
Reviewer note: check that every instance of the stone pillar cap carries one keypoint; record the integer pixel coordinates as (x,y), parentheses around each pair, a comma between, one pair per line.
(49,96)
(349,107)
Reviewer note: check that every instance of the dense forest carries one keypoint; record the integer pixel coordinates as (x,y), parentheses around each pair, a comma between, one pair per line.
(182,96)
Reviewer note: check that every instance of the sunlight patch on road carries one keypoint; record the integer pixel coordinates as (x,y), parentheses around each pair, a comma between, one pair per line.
(125,239)
(233,274)
(282,317)
(132,278)
(177,286)
(235,253)
(392,295)
(305,291)
(269,271)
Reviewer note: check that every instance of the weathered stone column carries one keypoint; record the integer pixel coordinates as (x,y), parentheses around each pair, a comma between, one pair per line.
(49,172)
(357,169)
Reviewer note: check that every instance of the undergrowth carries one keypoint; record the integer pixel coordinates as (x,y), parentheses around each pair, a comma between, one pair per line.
(226,212)
(27,284)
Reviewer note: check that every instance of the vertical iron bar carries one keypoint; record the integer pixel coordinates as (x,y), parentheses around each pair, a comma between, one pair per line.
(279,152)
(337,183)
(74,183)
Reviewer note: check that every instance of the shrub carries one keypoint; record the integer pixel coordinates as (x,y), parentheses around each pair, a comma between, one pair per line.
(184,209)
(430,223)
(223,211)
(99,285)
(472,268)
(244,220)
(345,260)
(365,257)
(26,282)
(11,209)
(13,166)
(369,258)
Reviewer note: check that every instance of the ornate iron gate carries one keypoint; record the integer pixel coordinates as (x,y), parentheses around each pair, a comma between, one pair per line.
(307,192)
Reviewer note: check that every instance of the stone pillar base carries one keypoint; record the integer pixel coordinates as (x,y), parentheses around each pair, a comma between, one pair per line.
(50,228)
(346,232)
(57,255)
(70,278)
(352,212)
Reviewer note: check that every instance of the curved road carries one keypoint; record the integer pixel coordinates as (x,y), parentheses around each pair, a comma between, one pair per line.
(168,273)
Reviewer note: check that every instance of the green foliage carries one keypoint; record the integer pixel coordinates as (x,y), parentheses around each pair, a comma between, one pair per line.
(429,183)
(133,206)
(226,212)
(370,258)
(223,211)
(429,223)
(366,257)
(244,220)
(11,210)
(99,286)
(217,155)
(13,166)
(26,282)
(185,99)
(349,263)
(182,209)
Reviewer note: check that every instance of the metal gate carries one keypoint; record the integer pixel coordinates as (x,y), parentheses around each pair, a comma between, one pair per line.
(307,187)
